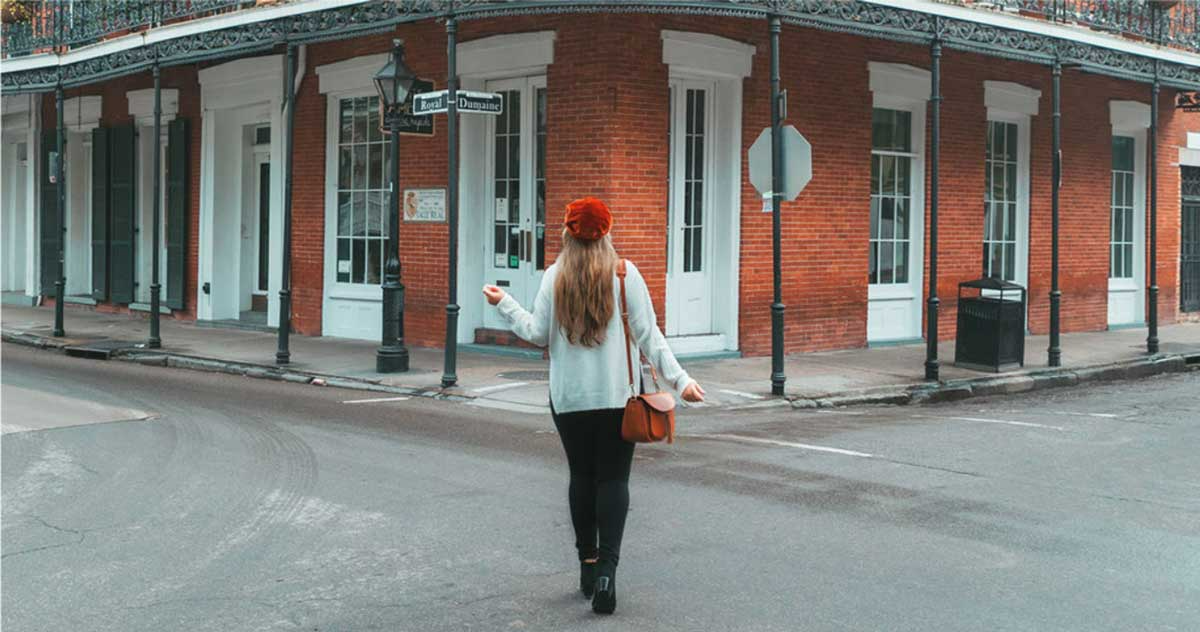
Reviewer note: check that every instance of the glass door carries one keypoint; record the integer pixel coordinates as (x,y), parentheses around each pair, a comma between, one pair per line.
(689,272)
(515,247)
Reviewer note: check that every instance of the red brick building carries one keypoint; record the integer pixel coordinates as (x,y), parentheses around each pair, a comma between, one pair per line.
(650,106)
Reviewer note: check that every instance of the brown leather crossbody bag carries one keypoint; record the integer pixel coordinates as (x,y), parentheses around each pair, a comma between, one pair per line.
(649,417)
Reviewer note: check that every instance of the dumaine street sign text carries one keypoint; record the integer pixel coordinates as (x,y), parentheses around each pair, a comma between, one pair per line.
(469,102)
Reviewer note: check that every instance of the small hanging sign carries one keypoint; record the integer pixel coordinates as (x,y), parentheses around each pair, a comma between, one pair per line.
(1188,101)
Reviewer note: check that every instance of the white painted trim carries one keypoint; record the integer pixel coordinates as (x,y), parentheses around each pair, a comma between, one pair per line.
(1189,157)
(724,63)
(355,73)
(1193,140)
(1022,122)
(1005,96)
(900,81)
(82,114)
(242,82)
(141,105)
(1042,27)
(707,55)
(1119,288)
(881,294)
(17,111)
(509,55)
(1129,114)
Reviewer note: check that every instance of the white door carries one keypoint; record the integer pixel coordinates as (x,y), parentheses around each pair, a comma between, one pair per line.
(1127,221)
(15,165)
(1006,201)
(894,260)
(514,250)
(689,241)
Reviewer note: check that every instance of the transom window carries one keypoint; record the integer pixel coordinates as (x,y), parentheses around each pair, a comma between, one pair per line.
(363,183)
(1121,237)
(891,195)
(1000,202)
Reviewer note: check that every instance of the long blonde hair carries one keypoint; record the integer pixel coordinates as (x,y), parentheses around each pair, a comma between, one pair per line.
(583,290)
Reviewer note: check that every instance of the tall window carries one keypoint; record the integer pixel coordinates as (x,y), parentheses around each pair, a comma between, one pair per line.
(540,185)
(1121,240)
(364,178)
(507,182)
(693,183)
(1000,202)
(891,195)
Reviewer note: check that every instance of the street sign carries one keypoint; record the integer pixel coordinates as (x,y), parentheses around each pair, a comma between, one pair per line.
(797,163)
(1188,101)
(469,102)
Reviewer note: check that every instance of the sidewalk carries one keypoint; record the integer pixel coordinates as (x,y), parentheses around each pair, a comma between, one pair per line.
(518,382)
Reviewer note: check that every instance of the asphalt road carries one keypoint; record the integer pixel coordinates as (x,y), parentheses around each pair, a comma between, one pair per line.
(139,498)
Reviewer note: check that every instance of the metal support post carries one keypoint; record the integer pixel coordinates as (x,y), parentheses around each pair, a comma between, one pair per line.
(931,326)
(778,378)
(60,188)
(1152,320)
(155,341)
(1054,353)
(449,376)
(283,355)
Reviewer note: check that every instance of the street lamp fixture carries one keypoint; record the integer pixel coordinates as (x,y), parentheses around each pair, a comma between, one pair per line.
(394,82)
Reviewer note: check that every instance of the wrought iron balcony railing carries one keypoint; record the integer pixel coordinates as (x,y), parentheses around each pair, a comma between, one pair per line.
(37,26)
(1173,23)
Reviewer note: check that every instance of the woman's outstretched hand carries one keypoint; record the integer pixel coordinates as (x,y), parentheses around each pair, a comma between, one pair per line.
(494,294)
(693,392)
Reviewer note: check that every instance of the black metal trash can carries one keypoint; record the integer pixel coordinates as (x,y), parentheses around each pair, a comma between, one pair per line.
(991,325)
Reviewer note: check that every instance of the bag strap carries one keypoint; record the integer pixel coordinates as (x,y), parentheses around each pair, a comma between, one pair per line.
(628,336)
(625,321)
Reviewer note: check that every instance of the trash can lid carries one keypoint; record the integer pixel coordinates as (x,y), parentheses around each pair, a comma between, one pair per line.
(991,283)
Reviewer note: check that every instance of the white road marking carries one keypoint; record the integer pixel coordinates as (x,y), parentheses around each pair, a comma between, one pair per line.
(498,387)
(510,406)
(787,444)
(375,399)
(982,420)
(741,394)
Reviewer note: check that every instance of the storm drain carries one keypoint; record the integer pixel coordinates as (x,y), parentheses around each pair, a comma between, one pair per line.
(526,376)
(99,349)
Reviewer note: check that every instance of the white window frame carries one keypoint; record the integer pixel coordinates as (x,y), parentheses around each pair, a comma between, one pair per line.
(916,257)
(333,288)
(1130,118)
(1014,103)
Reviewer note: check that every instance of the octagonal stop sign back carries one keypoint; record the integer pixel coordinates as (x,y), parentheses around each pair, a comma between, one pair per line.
(797,162)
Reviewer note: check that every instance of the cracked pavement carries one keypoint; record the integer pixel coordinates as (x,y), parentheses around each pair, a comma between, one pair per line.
(141,499)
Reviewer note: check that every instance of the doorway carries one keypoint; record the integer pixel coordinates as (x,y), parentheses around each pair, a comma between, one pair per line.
(1189,261)
(1127,230)
(689,244)
(257,219)
(16,211)
(514,250)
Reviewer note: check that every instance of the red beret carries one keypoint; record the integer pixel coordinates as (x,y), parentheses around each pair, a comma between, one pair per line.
(587,219)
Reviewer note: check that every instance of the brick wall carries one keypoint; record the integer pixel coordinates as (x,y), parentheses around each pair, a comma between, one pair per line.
(607,131)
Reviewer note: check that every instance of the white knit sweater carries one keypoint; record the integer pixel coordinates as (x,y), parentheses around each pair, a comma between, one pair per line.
(589,378)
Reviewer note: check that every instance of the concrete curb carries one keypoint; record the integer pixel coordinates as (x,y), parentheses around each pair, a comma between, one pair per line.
(162,358)
(954,390)
(899,395)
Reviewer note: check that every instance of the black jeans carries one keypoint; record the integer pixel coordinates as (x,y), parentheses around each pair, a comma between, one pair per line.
(599,491)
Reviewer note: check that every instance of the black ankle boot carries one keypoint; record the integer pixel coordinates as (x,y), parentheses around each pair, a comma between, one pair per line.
(604,597)
(587,578)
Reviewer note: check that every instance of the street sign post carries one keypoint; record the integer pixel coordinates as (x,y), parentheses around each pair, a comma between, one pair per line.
(797,164)
(468,103)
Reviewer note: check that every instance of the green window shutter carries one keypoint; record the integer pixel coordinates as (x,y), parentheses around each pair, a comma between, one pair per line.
(177,204)
(49,228)
(100,214)
(123,209)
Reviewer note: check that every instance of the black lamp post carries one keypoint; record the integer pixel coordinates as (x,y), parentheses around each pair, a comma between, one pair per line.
(394,82)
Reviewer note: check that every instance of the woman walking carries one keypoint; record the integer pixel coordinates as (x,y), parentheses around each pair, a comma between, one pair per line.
(577,314)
